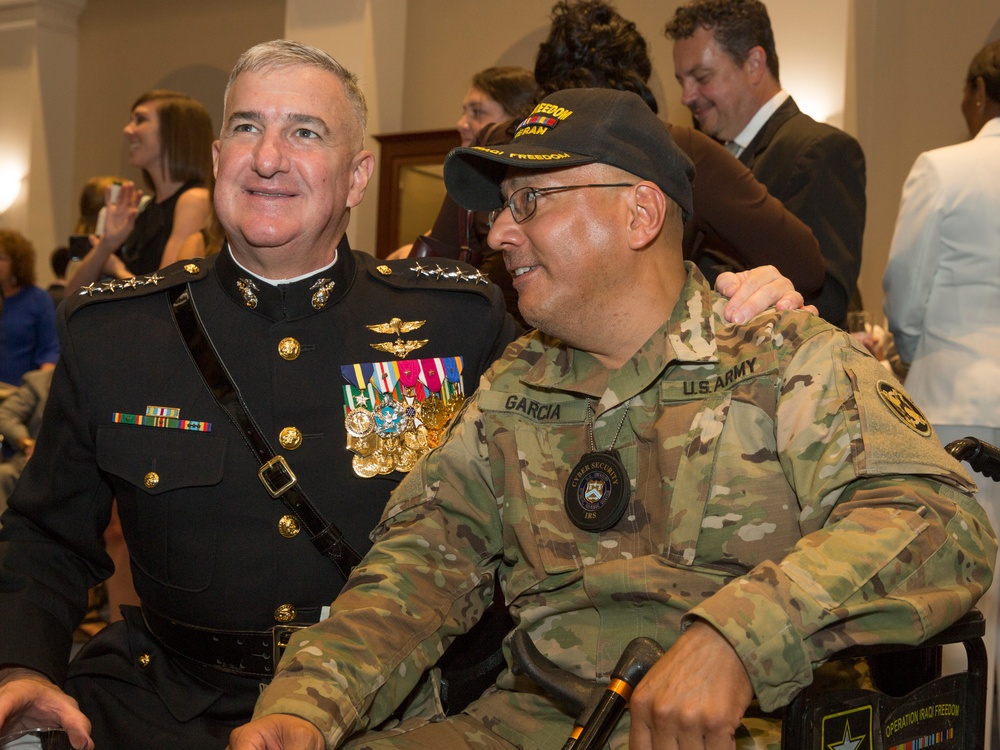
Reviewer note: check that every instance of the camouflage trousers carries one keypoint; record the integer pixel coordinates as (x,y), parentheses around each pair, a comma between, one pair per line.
(456,733)
(466,733)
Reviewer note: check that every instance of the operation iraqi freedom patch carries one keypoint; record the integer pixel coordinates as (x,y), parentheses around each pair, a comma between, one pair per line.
(903,407)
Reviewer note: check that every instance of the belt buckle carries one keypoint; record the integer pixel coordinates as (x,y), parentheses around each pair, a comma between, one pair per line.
(280,635)
(279,466)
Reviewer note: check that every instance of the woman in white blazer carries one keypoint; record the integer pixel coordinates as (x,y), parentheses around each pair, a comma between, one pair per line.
(942,287)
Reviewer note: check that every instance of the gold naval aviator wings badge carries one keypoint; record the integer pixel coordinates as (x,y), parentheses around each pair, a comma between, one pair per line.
(400,347)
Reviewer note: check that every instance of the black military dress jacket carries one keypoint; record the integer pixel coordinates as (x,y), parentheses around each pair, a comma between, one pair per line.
(130,418)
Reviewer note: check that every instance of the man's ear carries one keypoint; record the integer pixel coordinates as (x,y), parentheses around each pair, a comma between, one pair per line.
(756,64)
(362,167)
(648,212)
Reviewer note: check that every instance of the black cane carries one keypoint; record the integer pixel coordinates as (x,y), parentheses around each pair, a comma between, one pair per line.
(636,660)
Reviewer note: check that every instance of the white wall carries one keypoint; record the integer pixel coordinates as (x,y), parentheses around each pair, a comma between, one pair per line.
(368,38)
(38,76)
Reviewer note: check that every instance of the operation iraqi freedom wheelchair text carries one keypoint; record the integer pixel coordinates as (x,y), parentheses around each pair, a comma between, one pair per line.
(914,707)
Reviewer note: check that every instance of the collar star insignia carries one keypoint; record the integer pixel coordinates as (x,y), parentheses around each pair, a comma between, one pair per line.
(477,278)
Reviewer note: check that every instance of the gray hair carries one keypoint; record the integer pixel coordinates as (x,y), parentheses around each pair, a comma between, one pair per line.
(284,53)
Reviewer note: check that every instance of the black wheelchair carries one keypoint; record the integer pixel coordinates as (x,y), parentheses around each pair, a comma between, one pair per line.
(913,706)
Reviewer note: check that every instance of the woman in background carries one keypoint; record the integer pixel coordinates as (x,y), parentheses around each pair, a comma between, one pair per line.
(942,290)
(169,138)
(496,95)
(28,339)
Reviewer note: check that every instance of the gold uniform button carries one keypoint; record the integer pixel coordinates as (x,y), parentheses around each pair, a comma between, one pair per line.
(191,268)
(284,613)
(384,270)
(144,660)
(290,438)
(151,480)
(289,349)
(288,526)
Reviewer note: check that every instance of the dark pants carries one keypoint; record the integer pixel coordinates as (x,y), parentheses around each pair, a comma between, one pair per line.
(138,696)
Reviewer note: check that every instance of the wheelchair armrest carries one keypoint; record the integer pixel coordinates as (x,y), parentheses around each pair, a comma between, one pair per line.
(970,626)
(916,671)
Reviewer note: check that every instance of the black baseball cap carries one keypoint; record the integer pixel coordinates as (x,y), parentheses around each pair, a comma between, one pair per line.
(567,129)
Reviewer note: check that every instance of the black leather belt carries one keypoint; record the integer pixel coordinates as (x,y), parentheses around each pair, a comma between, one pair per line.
(250,653)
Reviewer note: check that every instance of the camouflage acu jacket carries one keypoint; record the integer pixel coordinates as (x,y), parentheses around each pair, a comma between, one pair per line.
(783,488)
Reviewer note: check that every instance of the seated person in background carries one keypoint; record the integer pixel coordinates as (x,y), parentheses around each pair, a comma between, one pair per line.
(496,95)
(170,139)
(753,497)
(92,198)
(735,222)
(28,339)
(59,262)
(20,419)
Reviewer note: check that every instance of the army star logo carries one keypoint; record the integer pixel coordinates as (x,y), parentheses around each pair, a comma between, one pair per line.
(849,742)
(901,405)
(848,730)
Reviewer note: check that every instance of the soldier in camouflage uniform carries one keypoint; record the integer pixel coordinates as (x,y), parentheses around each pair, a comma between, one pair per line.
(780,497)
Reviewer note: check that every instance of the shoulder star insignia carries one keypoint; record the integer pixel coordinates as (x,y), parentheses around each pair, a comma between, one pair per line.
(396,326)
(399,347)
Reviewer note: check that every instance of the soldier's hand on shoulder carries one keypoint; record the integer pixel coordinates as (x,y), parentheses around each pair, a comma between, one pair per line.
(29,700)
(277,732)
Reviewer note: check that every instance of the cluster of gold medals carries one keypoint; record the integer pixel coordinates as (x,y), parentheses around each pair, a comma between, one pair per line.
(394,434)
(390,427)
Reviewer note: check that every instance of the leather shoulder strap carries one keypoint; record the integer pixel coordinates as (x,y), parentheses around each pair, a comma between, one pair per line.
(275,474)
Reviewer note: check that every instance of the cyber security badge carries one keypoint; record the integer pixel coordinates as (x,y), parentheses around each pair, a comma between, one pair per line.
(394,412)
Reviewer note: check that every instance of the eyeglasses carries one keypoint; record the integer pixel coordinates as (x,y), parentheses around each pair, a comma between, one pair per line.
(523,202)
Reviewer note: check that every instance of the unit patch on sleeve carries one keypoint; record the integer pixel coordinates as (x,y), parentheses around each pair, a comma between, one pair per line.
(903,407)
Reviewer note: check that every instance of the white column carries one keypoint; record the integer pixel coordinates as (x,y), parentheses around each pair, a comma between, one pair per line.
(38,60)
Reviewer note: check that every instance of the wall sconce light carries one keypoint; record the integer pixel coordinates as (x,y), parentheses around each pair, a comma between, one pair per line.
(10,186)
